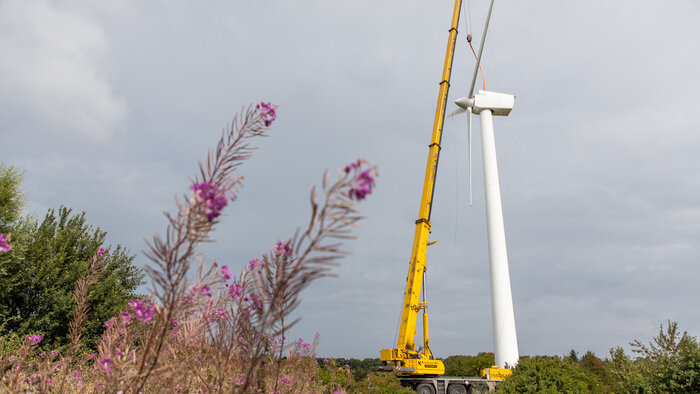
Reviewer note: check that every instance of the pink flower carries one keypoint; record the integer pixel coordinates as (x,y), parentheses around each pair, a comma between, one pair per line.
(4,243)
(106,364)
(35,338)
(226,273)
(41,355)
(109,323)
(76,373)
(213,200)
(101,253)
(79,383)
(142,311)
(268,113)
(286,380)
(235,290)
(283,249)
(301,344)
(362,182)
(125,317)
(54,353)
(205,290)
(196,289)
(256,263)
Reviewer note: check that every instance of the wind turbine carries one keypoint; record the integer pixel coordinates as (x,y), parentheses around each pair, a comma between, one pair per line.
(488,104)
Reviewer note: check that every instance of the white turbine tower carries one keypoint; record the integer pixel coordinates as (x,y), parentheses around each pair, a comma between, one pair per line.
(488,104)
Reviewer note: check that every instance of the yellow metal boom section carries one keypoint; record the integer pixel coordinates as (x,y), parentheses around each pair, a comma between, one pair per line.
(405,357)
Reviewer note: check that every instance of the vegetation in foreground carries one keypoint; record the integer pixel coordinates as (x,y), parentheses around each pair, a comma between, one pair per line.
(220,332)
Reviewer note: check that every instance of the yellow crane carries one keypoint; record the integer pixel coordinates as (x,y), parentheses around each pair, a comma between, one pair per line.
(418,367)
(405,358)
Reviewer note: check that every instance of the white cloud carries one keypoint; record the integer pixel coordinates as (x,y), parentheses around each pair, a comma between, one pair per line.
(51,67)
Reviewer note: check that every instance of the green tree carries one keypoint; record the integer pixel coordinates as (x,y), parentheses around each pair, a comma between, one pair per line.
(11,198)
(591,364)
(549,375)
(468,365)
(669,363)
(629,376)
(573,356)
(38,275)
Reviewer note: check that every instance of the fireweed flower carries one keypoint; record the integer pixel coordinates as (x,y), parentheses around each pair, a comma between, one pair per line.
(283,249)
(125,317)
(106,364)
(235,290)
(267,113)
(196,290)
(209,195)
(362,181)
(142,311)
(300,343)
(109,323)
(4,243)
(226,273)
(256,263)
(35,338)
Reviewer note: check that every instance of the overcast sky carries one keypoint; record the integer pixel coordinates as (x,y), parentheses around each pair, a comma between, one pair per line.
(107,107)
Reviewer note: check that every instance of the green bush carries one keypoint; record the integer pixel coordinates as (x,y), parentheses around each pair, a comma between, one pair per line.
(669,363)
(549,375)
(468,365)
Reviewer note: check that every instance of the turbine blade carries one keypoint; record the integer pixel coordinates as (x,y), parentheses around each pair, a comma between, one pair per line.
(457,112)
(469,143)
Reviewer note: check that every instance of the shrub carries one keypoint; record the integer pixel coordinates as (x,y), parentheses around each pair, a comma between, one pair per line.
(548,375)
(669,363)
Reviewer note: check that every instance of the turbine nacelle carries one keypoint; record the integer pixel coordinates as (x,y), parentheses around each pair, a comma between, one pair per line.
(499,103)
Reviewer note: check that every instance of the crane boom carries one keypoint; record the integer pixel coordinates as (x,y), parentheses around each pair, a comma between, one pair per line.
(405,358)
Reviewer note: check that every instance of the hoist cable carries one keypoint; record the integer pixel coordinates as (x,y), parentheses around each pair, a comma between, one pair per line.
(483,77)
(481,49)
